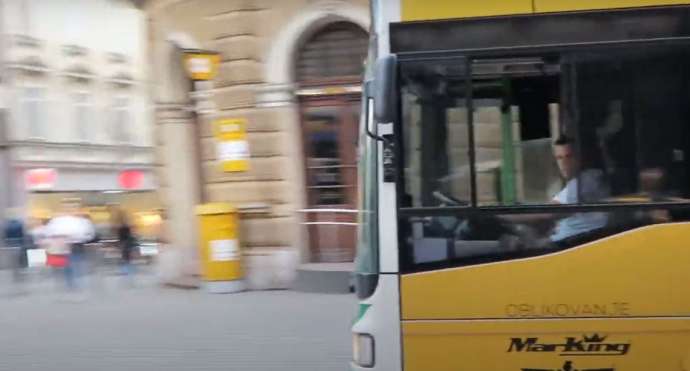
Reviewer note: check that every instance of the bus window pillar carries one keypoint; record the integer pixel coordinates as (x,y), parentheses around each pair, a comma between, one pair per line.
(434,134)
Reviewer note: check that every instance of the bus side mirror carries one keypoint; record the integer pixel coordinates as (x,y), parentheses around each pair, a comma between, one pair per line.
(385,89)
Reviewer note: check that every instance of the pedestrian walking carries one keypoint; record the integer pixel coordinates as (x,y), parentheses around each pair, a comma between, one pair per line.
(15,239)
(70,231)
(127,243)
(57,253)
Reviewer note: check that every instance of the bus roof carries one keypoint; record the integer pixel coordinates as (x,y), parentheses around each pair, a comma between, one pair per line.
(423,10)
(516,33)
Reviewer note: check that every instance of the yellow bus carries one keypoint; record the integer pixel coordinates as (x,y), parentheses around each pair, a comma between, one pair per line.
(525,187)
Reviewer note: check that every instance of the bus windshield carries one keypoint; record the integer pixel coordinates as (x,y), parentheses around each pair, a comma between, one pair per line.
(525,155)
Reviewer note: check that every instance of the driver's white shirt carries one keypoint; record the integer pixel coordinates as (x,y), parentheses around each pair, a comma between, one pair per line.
(593,188)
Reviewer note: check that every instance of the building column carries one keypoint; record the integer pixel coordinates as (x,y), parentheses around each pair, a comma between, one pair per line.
(282,96)
(177,135)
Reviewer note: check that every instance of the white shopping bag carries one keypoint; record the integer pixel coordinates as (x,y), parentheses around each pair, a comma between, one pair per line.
(36,257)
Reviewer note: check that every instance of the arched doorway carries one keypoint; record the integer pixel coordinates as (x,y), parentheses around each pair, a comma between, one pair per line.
(328,71)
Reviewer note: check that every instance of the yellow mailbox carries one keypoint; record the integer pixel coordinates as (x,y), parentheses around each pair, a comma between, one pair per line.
(219,248)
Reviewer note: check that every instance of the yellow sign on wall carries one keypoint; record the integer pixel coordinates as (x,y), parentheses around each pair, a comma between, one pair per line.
(232,147)
(201,66)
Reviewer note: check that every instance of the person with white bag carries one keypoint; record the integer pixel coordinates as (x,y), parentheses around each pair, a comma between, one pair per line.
(68,233)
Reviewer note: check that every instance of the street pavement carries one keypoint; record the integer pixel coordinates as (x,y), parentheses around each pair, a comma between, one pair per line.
(117,325)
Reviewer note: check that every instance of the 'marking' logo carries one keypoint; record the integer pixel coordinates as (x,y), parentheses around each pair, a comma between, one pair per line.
(594,345)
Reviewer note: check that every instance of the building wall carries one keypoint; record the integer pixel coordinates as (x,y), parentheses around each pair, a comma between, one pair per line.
(69,47)
(257,40)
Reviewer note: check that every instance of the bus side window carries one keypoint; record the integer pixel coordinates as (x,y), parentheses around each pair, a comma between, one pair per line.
(633,115)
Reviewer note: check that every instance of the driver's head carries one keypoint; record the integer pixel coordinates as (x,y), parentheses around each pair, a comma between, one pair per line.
(564,152)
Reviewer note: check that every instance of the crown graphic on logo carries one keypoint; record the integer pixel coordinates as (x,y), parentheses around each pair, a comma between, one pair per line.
(594,338)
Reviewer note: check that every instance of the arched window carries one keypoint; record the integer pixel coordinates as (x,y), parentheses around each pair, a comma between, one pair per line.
(335,53)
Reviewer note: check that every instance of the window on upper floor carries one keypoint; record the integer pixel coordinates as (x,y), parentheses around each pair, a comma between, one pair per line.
(82,116)
(32,111)
(120,120)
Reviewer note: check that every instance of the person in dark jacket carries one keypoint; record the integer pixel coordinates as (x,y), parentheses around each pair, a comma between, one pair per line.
(126,242)
(16,239)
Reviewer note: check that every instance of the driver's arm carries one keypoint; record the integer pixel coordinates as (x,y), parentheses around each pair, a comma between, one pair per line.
(528,218)
(532,218)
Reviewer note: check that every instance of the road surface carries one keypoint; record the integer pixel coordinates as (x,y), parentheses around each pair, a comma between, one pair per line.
(115,327)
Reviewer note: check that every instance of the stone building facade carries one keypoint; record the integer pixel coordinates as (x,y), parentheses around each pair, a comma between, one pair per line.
(75,105)
(292,69)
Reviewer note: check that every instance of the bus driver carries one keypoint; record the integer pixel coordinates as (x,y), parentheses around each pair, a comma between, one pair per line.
(586,186)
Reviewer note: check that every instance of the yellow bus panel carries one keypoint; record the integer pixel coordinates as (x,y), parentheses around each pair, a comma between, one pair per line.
(571,5)
(647,344)
(422,10)
(642,272)
(419,10)
(620,303)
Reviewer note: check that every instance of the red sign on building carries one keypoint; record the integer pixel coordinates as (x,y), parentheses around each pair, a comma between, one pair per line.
(130,179)
(40,179)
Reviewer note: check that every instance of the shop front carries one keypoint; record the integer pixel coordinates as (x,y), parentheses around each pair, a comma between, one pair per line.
(100,192)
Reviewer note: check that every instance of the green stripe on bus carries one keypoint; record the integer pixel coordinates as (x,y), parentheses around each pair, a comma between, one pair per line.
(363,308)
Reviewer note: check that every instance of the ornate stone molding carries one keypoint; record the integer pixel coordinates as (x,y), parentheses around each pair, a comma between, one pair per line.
(83,155)
(79,72)
(74,50)
(117,58)
(26,41)
(173,113)
(30,64)
(275,95)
